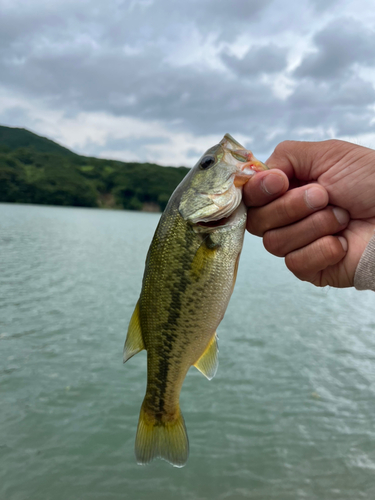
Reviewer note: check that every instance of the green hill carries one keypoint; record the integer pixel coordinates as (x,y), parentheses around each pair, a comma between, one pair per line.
(14,138)
(34,169)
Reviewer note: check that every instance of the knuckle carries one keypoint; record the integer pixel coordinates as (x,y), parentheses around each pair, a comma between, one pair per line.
(274,243)
(289,209)
(253,226)
(283,146)
(291,263)
(328,249)
(286,210)
(282,211)
(317,280)
(334,142)
(321,222)
(300,267)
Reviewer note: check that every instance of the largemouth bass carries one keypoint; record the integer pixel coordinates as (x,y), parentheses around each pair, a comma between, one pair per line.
(189,277)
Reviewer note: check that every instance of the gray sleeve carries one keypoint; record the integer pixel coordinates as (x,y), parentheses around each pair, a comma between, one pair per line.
(364,278)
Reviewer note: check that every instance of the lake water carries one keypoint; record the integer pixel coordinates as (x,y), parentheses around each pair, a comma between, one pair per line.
(289,415)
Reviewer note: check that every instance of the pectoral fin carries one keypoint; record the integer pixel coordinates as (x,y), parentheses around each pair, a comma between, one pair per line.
(235,272)
(134,341)
(208,362)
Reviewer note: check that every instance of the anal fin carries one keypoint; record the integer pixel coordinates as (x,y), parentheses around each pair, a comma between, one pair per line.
(134,341)
(209,361)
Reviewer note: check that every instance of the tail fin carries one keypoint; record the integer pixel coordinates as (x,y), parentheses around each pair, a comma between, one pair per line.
(158,439)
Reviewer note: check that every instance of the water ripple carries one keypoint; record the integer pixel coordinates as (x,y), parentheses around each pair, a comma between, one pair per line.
(290,413)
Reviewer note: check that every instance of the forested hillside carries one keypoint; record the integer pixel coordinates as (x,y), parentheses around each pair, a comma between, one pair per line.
(34,169)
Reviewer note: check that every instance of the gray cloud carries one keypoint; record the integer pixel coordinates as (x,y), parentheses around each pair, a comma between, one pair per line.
(239,11)
(134,60)
(137,23)
(322,5)
(261,59)
(340,45)
(140,86)
(335,106)
(193,153)
(352,93)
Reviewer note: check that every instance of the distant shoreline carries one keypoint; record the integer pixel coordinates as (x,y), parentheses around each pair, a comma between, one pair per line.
(36,170)
(115,209)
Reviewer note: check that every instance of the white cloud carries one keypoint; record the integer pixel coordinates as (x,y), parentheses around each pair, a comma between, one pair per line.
(85,129)
(150,81)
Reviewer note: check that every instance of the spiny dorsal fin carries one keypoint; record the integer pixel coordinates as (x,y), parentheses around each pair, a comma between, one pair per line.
(208,362)
(134,341)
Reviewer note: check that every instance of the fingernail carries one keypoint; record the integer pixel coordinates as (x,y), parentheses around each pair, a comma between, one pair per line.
(341,215)
(343,242)
(316,198)
(272,184)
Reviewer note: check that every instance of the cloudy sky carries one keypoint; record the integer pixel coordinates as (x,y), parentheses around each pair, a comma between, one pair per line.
(163,80)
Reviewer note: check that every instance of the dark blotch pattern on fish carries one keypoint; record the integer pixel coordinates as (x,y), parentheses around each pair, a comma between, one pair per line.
(179,281)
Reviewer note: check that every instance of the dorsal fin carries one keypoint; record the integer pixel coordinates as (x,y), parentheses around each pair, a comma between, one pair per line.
(208,362)
(134,341)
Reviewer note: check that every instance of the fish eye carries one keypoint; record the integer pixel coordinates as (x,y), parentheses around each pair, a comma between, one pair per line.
(206,162)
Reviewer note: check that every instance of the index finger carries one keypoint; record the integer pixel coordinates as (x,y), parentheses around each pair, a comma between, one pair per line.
(295,205)
(306,161)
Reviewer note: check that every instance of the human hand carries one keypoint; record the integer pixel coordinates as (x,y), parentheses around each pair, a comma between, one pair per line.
(316,209)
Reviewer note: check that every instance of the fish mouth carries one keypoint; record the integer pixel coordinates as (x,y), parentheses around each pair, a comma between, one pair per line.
(214,206)
(247,166)
(222,205)
(245,162)
(214,223)
(218,207)
(237,213)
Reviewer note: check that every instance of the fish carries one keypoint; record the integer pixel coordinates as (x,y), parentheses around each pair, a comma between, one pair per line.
(189,276)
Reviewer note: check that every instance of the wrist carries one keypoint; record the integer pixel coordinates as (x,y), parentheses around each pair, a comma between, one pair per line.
(364,277)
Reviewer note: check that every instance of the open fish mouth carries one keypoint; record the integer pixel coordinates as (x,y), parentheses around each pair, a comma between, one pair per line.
(232,218)
(214,223)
